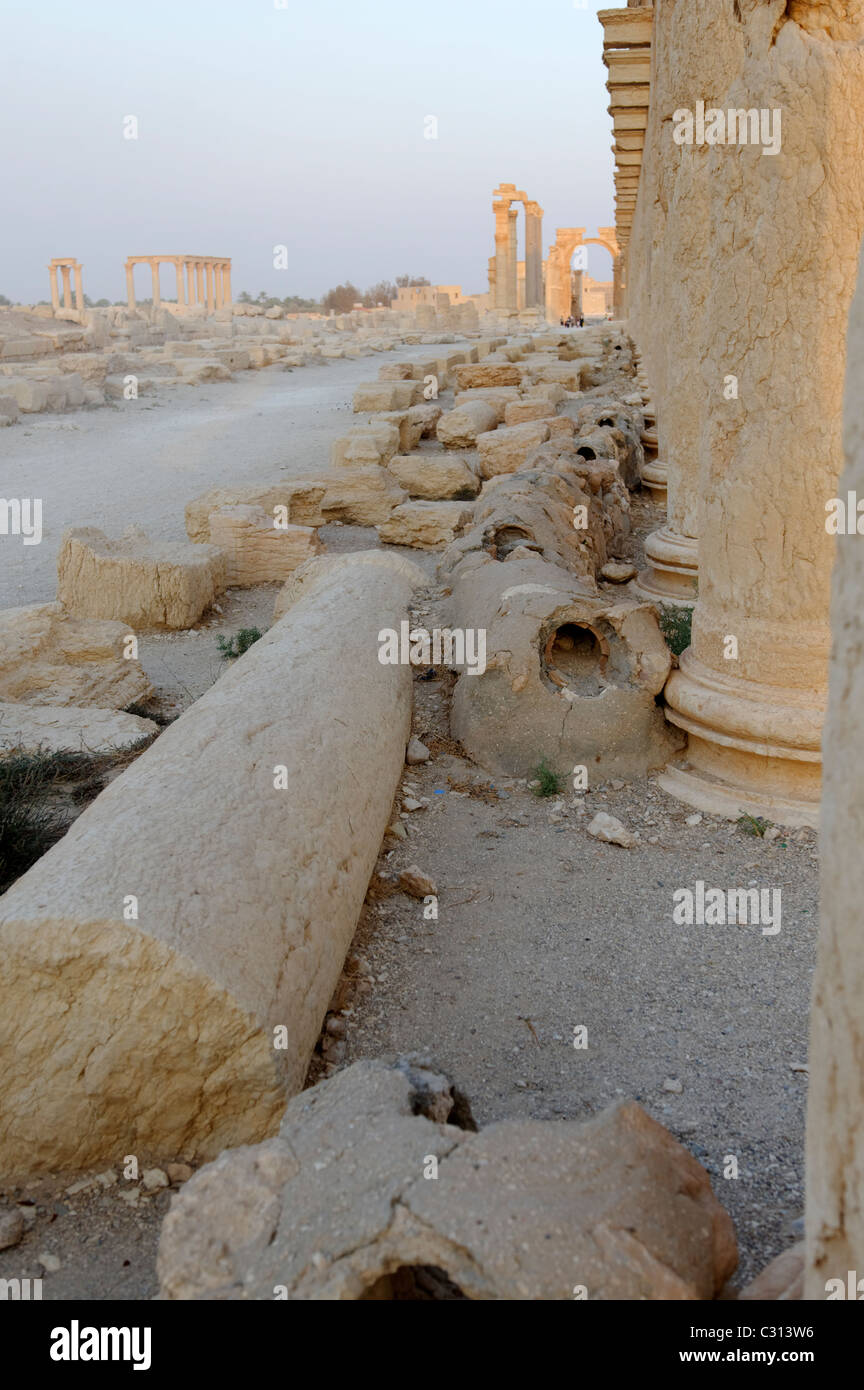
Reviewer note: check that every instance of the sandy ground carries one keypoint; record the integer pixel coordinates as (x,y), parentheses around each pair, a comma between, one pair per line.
(540,928)
(141,461)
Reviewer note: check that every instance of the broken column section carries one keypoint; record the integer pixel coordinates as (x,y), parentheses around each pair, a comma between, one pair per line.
(167,965)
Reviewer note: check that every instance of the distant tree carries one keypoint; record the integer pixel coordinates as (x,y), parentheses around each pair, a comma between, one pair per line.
(382,293)
(406,281)
(244,297)
(341,299)
(4,302)
(295,304)
(103,304)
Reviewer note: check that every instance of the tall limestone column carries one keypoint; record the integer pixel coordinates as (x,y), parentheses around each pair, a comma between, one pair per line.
(502,251)
(673,234)
(512,260)
(786,228)
(835,1111)
(226,283)
(533,255)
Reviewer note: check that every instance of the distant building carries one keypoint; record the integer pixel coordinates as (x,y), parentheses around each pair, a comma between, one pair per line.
(597,297)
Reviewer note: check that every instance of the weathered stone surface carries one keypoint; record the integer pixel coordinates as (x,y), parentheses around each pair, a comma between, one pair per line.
(366,444)
(50,658)
(435,476)
(835,1112)
(499,397)
(324,566)
(69,729)
(387,395)
(247,841)
(781,1281)
(257,551)
(615,1205)
(489,374)
(505,450)
(519,412)
(458,429)
(427,525)
(570,676)
(361,495)
(135,580)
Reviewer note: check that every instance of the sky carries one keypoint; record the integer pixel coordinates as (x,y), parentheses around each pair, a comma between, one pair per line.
(296,123)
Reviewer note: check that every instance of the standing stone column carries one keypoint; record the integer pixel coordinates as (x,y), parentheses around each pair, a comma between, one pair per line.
(157,296)
(191,296)
(512,260)
(79,288)
(55,293)
(67,288)
(533,256)
(226,283)
(502,251)
(835,1110)
(130,285)
(178,266)
(784,248)
(209,271)
(199,274)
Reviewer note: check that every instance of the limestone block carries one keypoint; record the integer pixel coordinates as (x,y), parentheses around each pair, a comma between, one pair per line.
(521,411)
(236,359)
(565,374)
(302,499)
(31,396)
(410,427)
(69,729)
(547,391)
(426,525)
(488,374)
(387,395)
(427,416)
(570,676)
(203,369)
(366,444)
(336,1207)
(50,658)
(497,396)
(248,840)
(257,551)
(361,496)
(458,429)
(8,405)
(435,476)
(161,584)
(87,366)
(505,450)
(396,371)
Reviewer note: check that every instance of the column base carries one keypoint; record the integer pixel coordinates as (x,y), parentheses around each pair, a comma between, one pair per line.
(673,571)
(654,480)
(751,748)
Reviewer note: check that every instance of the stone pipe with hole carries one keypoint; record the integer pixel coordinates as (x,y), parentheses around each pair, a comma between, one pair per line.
(168,964)
(571,675)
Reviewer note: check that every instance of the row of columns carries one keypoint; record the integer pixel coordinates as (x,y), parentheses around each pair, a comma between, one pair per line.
(66,265)
(504,284)
(201,280)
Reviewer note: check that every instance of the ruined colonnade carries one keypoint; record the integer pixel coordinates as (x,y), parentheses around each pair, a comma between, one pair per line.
(201,280)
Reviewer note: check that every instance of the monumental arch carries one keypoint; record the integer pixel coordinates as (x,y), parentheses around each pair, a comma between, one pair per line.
(559,291)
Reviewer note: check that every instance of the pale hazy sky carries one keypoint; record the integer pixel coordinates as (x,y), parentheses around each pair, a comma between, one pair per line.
(301,126)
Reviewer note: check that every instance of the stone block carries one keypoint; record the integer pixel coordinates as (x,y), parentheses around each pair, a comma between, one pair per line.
(435,476)
(366,444)
(426,525)
(459,429)
(257,550)
(488,374)
(148,584)
(69,729)
(386,395)
(505,450)
(50,658)
(499,397)
(521,411)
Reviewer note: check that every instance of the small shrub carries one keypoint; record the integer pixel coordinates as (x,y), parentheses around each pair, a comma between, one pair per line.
(238,644)
(549,783)
(753,825)
(675,624)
